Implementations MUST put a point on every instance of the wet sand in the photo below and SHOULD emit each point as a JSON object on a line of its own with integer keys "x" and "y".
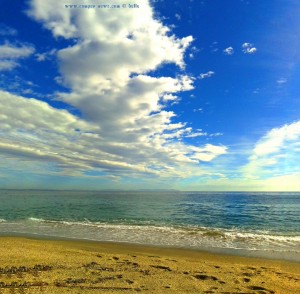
{"x": 58, "y": 266}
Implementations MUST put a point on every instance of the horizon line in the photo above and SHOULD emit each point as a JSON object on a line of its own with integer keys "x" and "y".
{"x": 147, "y": 190}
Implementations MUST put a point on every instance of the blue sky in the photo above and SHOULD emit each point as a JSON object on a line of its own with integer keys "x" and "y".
{"x": 191, "y": 95}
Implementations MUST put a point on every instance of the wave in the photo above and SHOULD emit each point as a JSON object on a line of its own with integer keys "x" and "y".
{"x": 251, "y": 242}
{"x": 194, "y": 237}
{"x": 33, "y": 219}
{"x": 196, "y": 231}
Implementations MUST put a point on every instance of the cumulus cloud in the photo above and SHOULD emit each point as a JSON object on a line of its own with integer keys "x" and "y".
{"x": 209, "y": 74}
{"x": 124, "y": 125}
{"x": 248, "y": 48}
{"x": 11, "y": 54}
{"x": 228, "y": 51}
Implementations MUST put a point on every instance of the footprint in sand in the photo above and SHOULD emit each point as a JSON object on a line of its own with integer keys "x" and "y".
{"x": 205, "y": 277}
{"x": 171, "y": 260}
{"x": 162, "y": 267}
{"x": 211, "y": 290}
{"x": 259, "y": 288}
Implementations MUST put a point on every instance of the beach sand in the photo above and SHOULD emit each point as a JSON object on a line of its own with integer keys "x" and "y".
{"x": 60, "y": 266}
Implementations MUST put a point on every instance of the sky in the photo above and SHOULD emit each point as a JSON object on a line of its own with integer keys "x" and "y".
{"x": 188, "y": 95}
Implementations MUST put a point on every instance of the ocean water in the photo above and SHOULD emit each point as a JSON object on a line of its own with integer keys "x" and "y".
{"x": 251, "y": 224}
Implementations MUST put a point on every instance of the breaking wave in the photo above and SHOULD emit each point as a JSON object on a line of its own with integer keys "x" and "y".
{"x": 194, "y": 237}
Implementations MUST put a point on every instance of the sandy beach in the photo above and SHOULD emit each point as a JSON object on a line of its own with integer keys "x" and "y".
{"x": 61, "y": 266}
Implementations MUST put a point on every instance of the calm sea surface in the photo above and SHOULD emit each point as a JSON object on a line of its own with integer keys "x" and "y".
{"x": 258, "y": 224}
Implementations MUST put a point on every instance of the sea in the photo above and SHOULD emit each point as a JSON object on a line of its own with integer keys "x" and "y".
{"x": 257, "y": 224}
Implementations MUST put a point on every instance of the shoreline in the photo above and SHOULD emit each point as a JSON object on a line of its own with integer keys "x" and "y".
{"x": 56, "y": 266}
{"x": 289, "y": 256}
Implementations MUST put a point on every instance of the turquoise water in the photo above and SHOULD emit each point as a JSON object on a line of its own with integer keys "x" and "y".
{"x": 261, "y": 224}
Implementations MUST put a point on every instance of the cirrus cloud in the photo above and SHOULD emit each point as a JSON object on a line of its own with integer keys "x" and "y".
{"x": 276, "y": 153}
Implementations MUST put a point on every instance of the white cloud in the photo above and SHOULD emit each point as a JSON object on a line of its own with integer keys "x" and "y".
{"x": 228, "y": 51}
{"x": 46, "y": 55}
{"x": 9, "y": 51}
{"x": 214, "y": 47}
{"x": 33, "y": 131}
{"x": 289, "y": 182}
{"x": 194, "y": 49}
{"x": 124, "y": 128}
{"x": 7, "y": 65}
{"x": 276, "y": 139}
{"x": 170, "y": 97}
{"x": 10, "y": 54}
{"x": 251, "y": 50}
{"x": 281, "y": 81}
{"x": 216, "y": 134}
{"x": 7, "y": 31}
{"x": 197, "y": 109}
{"x": 107, "y": 55}
{"x": 209, "y": 74}
{"x": 248, "y": 48}
{"x": 16, "y": 84}
{"x": 276, "y": 152}
{"x": 208, "y": 153}
{"x": 178, "y": 16}
{"x": 196, "y": 134}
